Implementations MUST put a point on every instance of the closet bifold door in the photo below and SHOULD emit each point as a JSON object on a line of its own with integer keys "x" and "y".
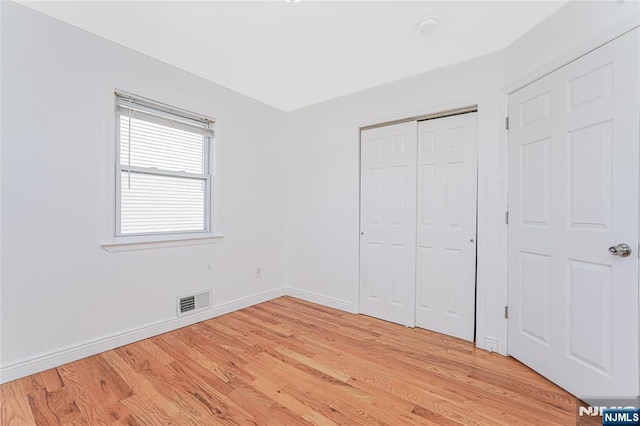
{"x": 388, "y": 222}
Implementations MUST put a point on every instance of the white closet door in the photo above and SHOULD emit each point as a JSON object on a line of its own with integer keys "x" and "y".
{"x": 446, "y": 229}
{"x": 388, "y": 223}
{"x": 573, "y": 193}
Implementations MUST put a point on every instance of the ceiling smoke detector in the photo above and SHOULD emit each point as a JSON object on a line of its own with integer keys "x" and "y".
{"x": 428, "y": 24}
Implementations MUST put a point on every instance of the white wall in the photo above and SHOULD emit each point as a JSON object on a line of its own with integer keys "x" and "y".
{"x": 323, "y": 179}
{"x": 60, "y": 288}
{"x": 572, "y": 31}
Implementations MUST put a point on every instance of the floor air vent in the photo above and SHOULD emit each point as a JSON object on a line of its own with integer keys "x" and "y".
{"x": 193, "y": 303}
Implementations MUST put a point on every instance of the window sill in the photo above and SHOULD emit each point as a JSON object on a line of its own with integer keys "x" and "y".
{"x": 120, "y": 244}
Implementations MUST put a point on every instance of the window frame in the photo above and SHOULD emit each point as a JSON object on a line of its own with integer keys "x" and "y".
{"x": 122, "y": 242}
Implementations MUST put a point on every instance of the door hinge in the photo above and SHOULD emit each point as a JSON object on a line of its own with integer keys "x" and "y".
{"x": 506, "y": 123}
{"x": 506, "y": 312}
{"x": 506, "y": 217}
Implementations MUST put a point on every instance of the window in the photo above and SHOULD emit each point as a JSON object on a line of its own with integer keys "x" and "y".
{"x": 163, "y": 169}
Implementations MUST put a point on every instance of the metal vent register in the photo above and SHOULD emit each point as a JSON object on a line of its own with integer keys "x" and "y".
{"x": 194, "y": 302}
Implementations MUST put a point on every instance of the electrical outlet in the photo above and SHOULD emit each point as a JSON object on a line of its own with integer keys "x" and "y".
{"x": 259, "y": 272}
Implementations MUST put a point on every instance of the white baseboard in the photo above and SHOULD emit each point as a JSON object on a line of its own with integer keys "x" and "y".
{"x": 330, "y": 302}
{"x": 50, "y": 359}
{"x": 55, "y": 358}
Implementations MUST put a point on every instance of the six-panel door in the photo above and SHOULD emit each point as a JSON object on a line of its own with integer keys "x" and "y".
{"x": 573, "y": 193}
{"x": 446, "y": 225}
{"x": 388, "y": 223}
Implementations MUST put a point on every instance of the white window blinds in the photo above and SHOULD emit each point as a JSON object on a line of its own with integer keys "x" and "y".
{"x": 163, "y": 169}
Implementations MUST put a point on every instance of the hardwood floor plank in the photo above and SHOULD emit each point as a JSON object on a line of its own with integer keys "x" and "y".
{"x": 130, "y": 420}
{"x": 149, "y": 412}
{"x": 33, "y": 383}
{"x": 52, "y": 379}
{"x": 43, "y": 413}
{"x": 299, "y": 407}
{"x": 120, "y": 414}
{"x": 63, "y": 405}
{"x": 264, "y": 410}
{"x": 224, "y": 409}
{"x": 290, "y": 362}
{"x": 323, "y": 394}
{"x": 316, "y": 392}
{"x": 157, "y": 352}
{"x": 229, "y": 359}
{"x": 309, "y": 362}
{"x": 171, "y": 386}
{"x": 160, "y": 408}
{"x": 86, "y": 393}
{"x": 14, "y": 405}
{"x": 193, "y": 364}
{"x": 189, "y": 352}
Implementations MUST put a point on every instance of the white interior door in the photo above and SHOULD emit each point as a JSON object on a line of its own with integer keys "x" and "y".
{"x": 573, "y": 193}
{"x": 446, "y": 229}
{"x": 388, "y": 222}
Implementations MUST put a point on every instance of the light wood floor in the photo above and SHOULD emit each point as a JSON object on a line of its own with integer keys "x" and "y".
{"x": 289, "y": 362}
